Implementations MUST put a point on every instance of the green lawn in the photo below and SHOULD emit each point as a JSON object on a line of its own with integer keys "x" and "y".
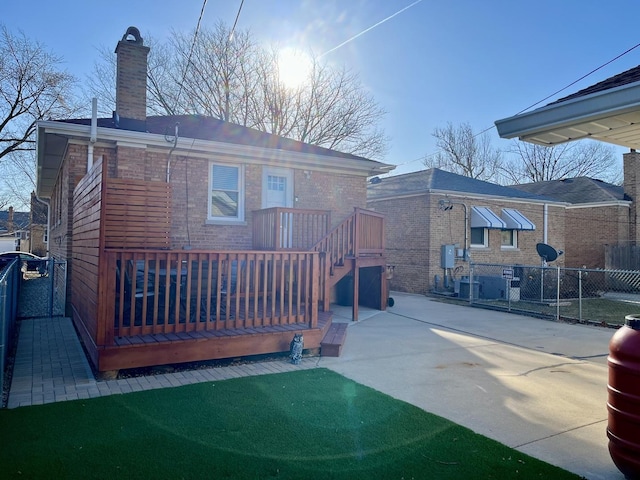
{"x": 311, "y": 424}
{"x": 602, "y": 311}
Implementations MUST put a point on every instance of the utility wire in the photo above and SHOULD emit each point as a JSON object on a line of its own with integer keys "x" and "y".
{"x": 581, "y": 78}
{"x": 193, "y": 44}
{"x": 233, "y": 29}
{"x": 424, "y": 157}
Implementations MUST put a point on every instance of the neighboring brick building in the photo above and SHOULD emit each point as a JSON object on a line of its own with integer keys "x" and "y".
{"x": 13, "y": 229}
{"x": 431, "y": 208}
{"x": 597, "y": 215}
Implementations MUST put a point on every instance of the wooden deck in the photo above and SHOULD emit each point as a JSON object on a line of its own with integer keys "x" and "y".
{"x": 155, "y": 305}
{"x": 160, "y": 349}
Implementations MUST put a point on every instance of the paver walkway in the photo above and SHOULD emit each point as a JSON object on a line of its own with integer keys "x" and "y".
{"x": 51, "y": 366}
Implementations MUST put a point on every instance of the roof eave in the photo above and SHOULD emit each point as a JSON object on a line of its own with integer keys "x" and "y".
{"x": 541, "y": 125}
{"x": 48, "y": 129}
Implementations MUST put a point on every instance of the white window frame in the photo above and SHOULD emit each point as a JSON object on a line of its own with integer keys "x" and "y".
{"x": 485, "y": 238}
{"x": 514, "y": 239}
{"x": 241, "y": 193}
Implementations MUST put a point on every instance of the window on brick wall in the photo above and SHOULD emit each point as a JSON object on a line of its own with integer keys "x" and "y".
{"x": 479, "y": 237}
{"x": 509, "y": 239}
{"x": 226, "y": 192}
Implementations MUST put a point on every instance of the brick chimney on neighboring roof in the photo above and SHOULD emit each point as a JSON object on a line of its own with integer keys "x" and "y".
{"x": 131, "y": 82}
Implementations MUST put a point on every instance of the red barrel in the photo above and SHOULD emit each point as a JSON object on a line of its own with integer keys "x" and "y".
{"x": 623, "y": 402}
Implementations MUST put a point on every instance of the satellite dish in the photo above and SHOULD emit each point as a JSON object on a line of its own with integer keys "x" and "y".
{"x": 547, "y": 252}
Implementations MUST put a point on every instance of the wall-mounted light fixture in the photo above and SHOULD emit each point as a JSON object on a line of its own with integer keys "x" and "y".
{"x": 307, "y": 173}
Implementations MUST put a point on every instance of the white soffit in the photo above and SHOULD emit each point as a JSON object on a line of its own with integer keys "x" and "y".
{"x": 483, "y": 217}
{"x": 516, "y": 220}
{"x": 611, "y": 116}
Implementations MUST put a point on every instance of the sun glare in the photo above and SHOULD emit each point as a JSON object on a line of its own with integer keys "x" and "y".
{"x": 294, "y": 67}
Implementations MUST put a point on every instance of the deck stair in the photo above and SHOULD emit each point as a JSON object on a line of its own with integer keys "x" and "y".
{"x": 334, "y": 339}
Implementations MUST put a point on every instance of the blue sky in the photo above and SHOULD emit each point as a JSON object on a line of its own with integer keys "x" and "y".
{"x": 458, "y": 61}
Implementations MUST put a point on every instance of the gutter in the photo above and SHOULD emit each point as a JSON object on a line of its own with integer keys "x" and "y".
{"x": 603, "y": 104}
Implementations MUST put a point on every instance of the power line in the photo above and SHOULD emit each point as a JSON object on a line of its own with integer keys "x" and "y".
{"x": 236, "y": 21}
{"x": 581, "y": 78}
{"x": 538, "y": 102}
{"x": 193, "y": 44}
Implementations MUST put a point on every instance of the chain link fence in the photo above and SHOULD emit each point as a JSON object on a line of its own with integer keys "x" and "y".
{"x": 9, "y": 294}
{"x": 594, "y": 296}
{"x": 45, "y": 295}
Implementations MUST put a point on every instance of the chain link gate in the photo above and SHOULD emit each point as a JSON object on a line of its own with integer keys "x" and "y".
{"x": 44, "y": 296}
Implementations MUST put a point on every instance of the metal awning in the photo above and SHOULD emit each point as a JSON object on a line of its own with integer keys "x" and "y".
{"x": 483, "y": 217}
{"x": 516, "y": 220}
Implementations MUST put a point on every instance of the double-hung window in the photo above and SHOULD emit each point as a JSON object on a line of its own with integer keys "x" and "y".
{"x": 226, "y": 192}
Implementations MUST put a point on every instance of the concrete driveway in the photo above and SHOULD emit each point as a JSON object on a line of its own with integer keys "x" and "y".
{"x": 535, "y": 385}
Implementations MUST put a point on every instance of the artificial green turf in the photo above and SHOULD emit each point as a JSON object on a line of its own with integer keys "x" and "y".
{"x": 311, "y": 424}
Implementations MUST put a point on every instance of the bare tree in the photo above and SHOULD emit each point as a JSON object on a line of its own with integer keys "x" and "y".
{"x": 236, "y": 80}
{"x": 32, "y": 87}
{"x": 537, "y": 163}
{"x": 465, "y": 153}
{"x": 18, "y": 178}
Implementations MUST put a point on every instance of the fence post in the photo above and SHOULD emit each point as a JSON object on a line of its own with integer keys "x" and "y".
{"x": 557, "y": 294}
{"x": 470, "y": 283}
{"x": 580, "y": 295}
{"x": 52, "y": 279}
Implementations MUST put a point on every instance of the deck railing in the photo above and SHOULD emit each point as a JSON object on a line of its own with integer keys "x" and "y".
{"x": 362, "y": 233}
{"x": 177, "y": 292}
{"x": 289, "y": 228}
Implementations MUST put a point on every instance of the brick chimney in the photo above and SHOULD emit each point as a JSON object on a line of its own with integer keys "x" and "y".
{"x": 131, "y": 81}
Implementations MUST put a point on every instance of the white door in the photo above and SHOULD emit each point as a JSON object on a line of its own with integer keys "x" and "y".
{"x": 277, "y": 191}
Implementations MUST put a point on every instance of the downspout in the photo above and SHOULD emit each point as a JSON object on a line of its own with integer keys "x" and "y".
{"x": 94, "y": 132}
{"x": 466, "y": 254}
{"x": 545, "y": 218}
{"x": 48, "y": 204}
{"x": 175, "y": 143}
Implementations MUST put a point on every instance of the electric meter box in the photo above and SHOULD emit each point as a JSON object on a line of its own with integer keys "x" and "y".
{"x": 447, "y": 256}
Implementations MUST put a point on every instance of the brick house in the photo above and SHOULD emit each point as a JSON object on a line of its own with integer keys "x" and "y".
{"x": 432, "y": 210}
{"x": 202, "y": 239}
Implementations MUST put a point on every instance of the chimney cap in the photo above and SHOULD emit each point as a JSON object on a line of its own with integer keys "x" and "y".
{"x": 133, "y": 31}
